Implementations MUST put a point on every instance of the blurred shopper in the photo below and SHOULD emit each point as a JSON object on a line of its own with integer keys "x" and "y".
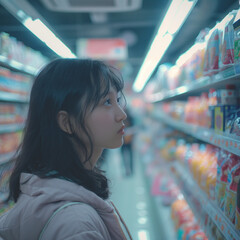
{"x": 127, "y": 147}
{"x": 74, "y": 113}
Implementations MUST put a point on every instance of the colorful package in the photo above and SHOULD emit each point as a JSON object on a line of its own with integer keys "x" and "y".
{"x": 237, "y": 216}
{"x": 227, "y": 41}
{"x": 236, "y": 26}
{"x": 231, "y": 193}
{"x": 221, "y": 114}
{"x": 222, "y": 176}
{"x": 233, "y": 123}
{"x": 211, "y": 57}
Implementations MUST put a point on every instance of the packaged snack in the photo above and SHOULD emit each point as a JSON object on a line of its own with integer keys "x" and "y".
{"x": 231, "y": 193}
{"x": 211, "y": 57}
{"x": 227, "y": 41}
{"x": 236, "y": 26}
{"x": 237, "y": 217}
{"x": 233, "y": 123}
{"x": 221, "y": 114}
{"x": 227, "y": 96}
{"x": 222, "y": 175}
{"x": 212, "y": 97}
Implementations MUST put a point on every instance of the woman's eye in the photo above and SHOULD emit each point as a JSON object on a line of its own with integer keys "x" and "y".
{"x": 119, "y": 100}
{"x": 107, "y": 102}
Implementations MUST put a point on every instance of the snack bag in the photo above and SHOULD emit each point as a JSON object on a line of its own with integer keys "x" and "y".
{"x": 211, "y": 58}
{"x": 236, "y": 26}
{"x": 237, "y": 217}
{"x": 221, "y": 183}
{"x": 233, "y": 123}
{"x": 231, "y": 193}
{"x": 227, "y": 41}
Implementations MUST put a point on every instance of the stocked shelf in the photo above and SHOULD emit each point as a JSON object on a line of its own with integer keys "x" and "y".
{"x": 6, "y": 128}
{"x": 224, "y": 141}
{"x": 199, "y": 202}
{"x": 4, "y": 158}
{"x": 219, "y": 80}
{"x": 12, "y": 97}
{"x": 14, "y": 65}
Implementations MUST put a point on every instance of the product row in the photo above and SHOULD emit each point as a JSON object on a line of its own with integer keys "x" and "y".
{"x": 17, "y": 83}
{"x": 9, "y": 142}
{"x": 217, "y": 172}
{"x": 12, "y": 113}
{"x": 217, "y": 109}
{"x": 13, "y": 49}
{"x": 215, "y": 50}
{"x": 212, "y": 172}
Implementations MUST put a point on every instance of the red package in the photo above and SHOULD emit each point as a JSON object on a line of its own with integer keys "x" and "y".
{"x": 231, "y": 193}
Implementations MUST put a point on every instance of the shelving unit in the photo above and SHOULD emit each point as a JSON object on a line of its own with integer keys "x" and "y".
{"x": 202, "y": 207}
{"x": 228, "y": 76}
{"x": 199, "y": 199}
{"x": 228, "y": 142}
{"x": 16, "y": 66}
{"x": 6, "y": 128}
{"x": 12, "y": 97}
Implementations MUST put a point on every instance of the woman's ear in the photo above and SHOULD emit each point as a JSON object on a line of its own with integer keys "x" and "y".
{"x": 64, "y": 122}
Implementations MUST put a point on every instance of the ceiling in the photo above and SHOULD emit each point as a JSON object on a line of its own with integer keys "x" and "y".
{"x": 137, "y": 28}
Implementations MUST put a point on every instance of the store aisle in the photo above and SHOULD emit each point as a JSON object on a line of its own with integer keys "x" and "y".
{"x": 130, "y": 195}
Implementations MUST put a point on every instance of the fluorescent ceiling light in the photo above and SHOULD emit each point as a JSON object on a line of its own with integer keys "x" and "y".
{"x": 177, "y": 13}
{"x": 155, "y": 53}
{"x": 38, "y": 28}
{"x": 143, "y": 235}
{"x": 180, "y": 16}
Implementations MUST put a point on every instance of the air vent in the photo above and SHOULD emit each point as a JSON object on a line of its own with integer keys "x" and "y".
{"x": 92, "y": 5}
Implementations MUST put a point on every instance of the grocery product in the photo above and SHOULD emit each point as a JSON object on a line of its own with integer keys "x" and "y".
{"x": 222, "y": 177}
{"x": 211, "y": 57}
{"x": 227, "y": 41}
{"x": 236, "y": 26}
{"x": 12, "y": 113}
{"x": 233, "y": 123}
{"x": 9, "y": 142}
{"x": 231, "y": 193}
{"x": 237, "y": 215}
{"x": 15, "y": 50}
{"x": 221, "y": 116}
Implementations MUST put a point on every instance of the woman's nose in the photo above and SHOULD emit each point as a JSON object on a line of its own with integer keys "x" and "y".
{"x": 121, "y": 115}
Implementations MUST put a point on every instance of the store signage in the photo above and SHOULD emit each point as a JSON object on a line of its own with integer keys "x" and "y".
{"x": 106, "y": 49}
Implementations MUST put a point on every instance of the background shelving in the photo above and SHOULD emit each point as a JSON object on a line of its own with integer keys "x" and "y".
{"x": 200, "y": 202}
{"x": 16, "y": 66}
{"x": 220, "y": 80}
{"x": 222, "y": 140}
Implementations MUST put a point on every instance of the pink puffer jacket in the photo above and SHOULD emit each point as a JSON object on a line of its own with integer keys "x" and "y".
{"x": 92, "y": 219}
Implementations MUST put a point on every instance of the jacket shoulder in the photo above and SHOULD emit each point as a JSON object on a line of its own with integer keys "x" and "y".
{"x": 76, "y": 220}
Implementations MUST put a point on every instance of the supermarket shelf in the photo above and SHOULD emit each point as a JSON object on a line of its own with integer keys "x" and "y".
{"x": 6, "y": 128}
{"x": 228, "y": 142}
{"x": 219, "y": 80}
{"x": 14, "y": 65}
{"x": 4, "y": 158}
{"x": 207, "y": 205}
{"x": 12, "y": 97}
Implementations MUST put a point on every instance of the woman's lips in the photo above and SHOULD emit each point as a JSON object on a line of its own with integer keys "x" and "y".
{"x": 121, "y": 131}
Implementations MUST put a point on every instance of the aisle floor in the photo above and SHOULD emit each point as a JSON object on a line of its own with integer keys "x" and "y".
{"x": 131, "y": 197}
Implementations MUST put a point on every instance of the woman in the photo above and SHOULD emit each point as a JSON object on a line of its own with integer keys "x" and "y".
{"x": 74, "y": 113}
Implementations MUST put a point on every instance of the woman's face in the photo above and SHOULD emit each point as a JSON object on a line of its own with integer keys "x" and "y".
{"x": 105, "y": 122}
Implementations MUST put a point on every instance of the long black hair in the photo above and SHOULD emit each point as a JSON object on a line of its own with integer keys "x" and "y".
{"x": 74, "y": 86}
